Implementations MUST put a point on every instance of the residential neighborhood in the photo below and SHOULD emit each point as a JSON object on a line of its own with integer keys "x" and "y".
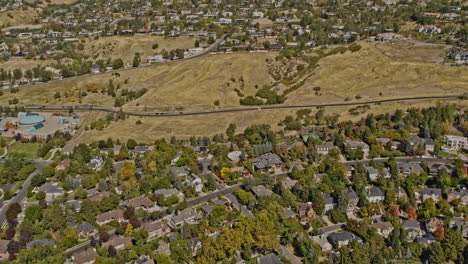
{"x": 150, "y": 202}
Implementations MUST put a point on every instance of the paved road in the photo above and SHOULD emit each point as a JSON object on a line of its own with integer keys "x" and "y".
{"x": 207, "y": 51}
{"x": 332, "y": 228}
{"x": 207, "y": 112}
{"x": 21, "y": 195}
{"x": 215, "y": 194}
{"x": 289, "y": 255}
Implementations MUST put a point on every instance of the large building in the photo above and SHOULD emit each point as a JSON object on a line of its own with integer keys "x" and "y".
{"x": 41, "y": 125}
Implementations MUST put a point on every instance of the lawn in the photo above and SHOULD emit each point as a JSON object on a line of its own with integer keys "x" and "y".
{"x": 29, "y": 149}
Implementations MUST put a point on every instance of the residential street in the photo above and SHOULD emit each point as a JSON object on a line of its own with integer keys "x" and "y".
{"x": 21, "y": 195}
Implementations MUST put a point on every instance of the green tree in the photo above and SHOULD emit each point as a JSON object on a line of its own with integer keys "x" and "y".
{"x": 34, "y": 213}
{"x": 136, "y": 60}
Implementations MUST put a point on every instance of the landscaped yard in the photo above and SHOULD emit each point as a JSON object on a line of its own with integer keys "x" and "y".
{"x": 29, "y": 149}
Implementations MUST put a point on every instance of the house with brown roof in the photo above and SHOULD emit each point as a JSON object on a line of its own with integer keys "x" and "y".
{"x": 62, "y": 165}
{"x": 88, "y": 256}
{"x": 431, "y": 224}
{"x": 118, "y": 242}
{"x": 261, "y": 191}
{"x": 305, "y": 210}
{"x": 156, "y": 229}
{"x": 383, "y": 228}
{"x": 143, "y": 203}
{"x": 288, "y": 183}
{"x": 114, "y": 215}
{"x": 99, "y": 196}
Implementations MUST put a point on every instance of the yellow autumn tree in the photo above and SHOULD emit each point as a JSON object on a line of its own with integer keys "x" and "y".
{"x": 152, "y": 166}
{"x": 128, "y": 171}
{"x": 129, "y": 229}
{"x": 224, "y": 171}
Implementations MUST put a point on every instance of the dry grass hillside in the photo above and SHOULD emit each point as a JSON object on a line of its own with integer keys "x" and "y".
{"x": 382, "y": 71}
{"x": 192, "y": 84}
{"x": 125, "y": 47}
{"x": 376, "y": 71}
{"x": 152, "y": 128}
{"x": 18, "y": 17}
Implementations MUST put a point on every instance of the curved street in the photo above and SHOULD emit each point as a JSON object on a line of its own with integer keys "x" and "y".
{"x": 207, "y": 112}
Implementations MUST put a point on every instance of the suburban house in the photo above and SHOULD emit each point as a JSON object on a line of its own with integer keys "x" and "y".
{"x": 400, "y": 193}
{"x": 322, "y": 241}
{"x": 143, "y": 203}
{"x": 353, "y": 200}
{"x": 169, "y": 192}
{"x": 456, "y": 142}
{"x": 87, "y": 256}
{"x": 114, "y": 215}
{"x": 261, "y": 191}
{"x": 426, "y": 193}
{"x": 339, "y": 239}
{"x": 62, "y": 165}
{"x": 180, "y": 171}
{"x": 460, "y": 57}
{"x": 234, "y": 156}
{"x": 428, "y": 143}
{"x": 68, "y": 149}
{"x": 195, "y": 182}
{"x": 458, "y": 194}
{"x": 413, "y": 228}
{"x": 140, "y": 150}
{"x": 305, "y": 210}
{"x": 383, "y": 228}
{"x": 460, "y": 224}
{"x": 267, "y": 162}
{"x": 324, "y": 148}
{"x": 85, "y": 229}
{"x": 427, "y": 238}
{"x": 431, "y": 224}
{"x": 288, "y": 183}
{"x": 155, "y": 59}
{"x": 352, "y": 144}
{"x": 373, "y": 173}
{"x": 99, "y": 196}
{"x": 269, "y": 259}
{"x": 156, "y": 229}
{"x": 330, "y": 202}
{"x": 407, "y": 168}
{"x": 186, "y": 216}
{"x": 95, "y": 163}
{"x": 375, "y": 195}
{"x": 52, "y": 191}
{"x": 118, "y": 242}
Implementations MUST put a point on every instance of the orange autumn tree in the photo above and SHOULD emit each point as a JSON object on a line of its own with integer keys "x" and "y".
{"x": 439, "y": 233}
{"x": 395, "y": 211}
{"x": 412, "y": 215}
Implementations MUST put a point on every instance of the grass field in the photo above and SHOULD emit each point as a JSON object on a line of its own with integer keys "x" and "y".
{"x": 193, "y": 84}
{"x": 29, "y": 149}
{"x": 380, "y": 71}
{"x": 18, "y": 17}
{"x": 202, "y": 125}
{"x": 125, "y": 47}
{"x": 22, "y": 63}
{"x": 377, "y": 71}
